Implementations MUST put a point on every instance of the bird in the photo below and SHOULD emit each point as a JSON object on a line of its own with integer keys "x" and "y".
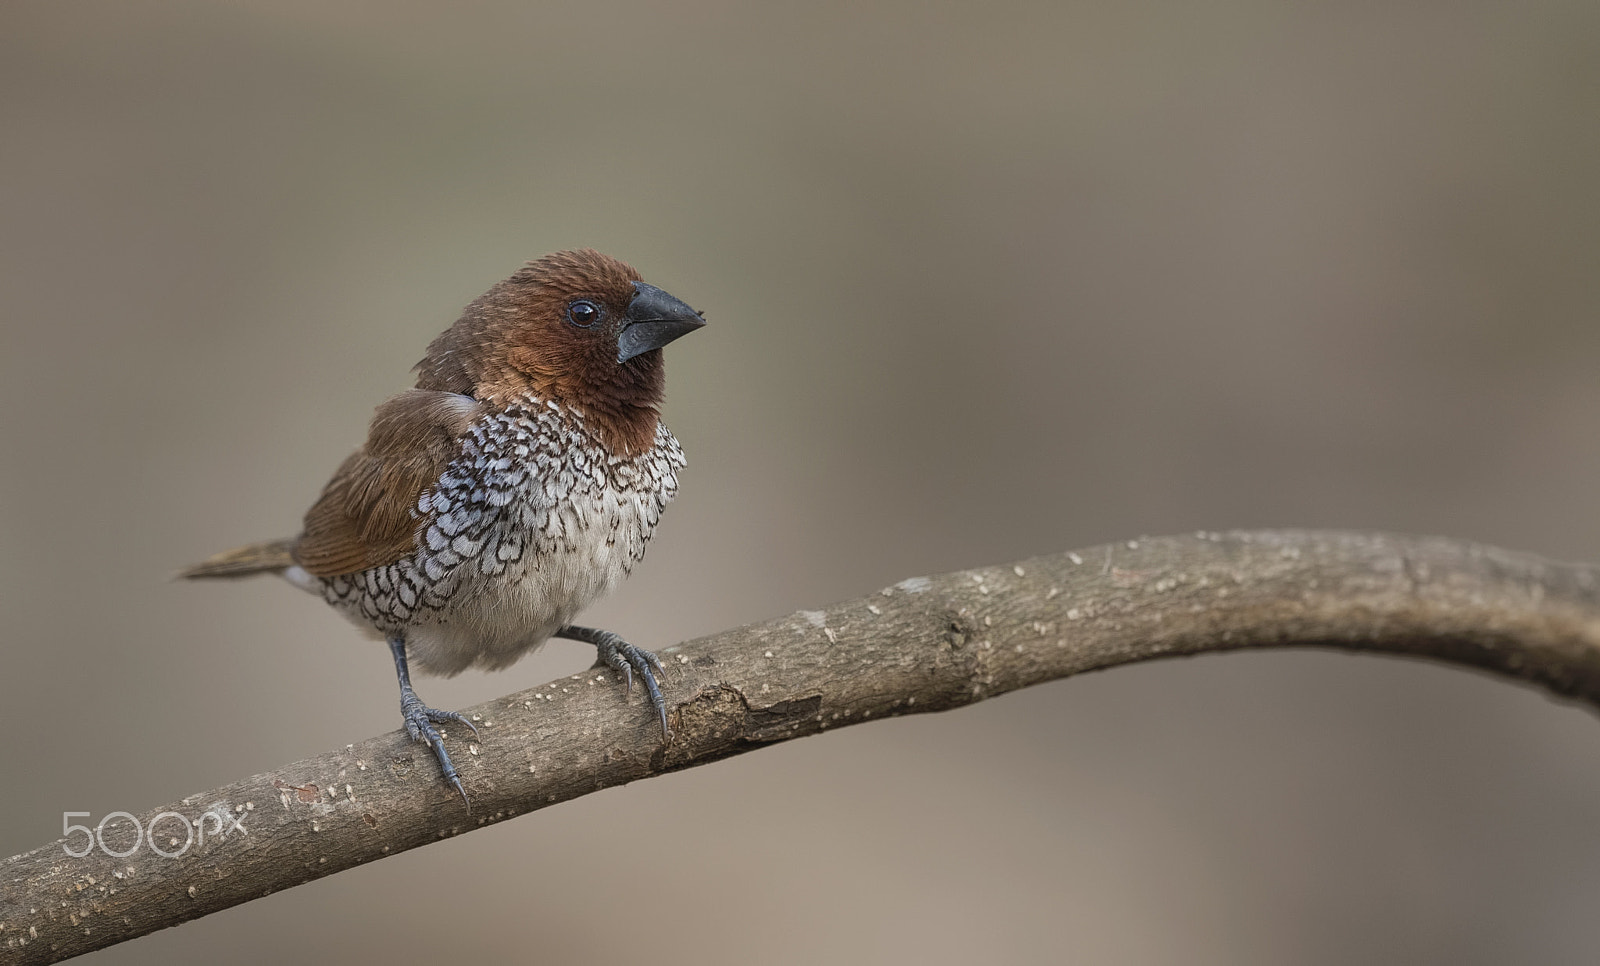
{"x": 518, "y": 481}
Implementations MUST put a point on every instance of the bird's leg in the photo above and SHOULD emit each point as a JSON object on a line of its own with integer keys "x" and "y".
{"x": 420, "y": 718}
{"x": 619, "y": 655}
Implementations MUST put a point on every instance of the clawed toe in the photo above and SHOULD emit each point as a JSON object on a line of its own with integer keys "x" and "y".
{"x": 629, "y": 660}
{"x": 614, "y": 652}
{"x": 443, "y": 717}
{"x": 420, "y": 720}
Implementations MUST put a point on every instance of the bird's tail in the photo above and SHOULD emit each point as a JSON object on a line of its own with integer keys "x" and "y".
{"x": 268, "y": 557}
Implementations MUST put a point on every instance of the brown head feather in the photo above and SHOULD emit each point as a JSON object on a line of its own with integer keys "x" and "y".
{"x": 517, "y": 339}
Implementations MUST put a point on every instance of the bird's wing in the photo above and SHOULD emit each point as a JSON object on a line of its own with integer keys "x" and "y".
{"x": 367, "y": 514}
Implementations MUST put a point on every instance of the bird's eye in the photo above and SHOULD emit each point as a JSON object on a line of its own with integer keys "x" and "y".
{"x": 583, "y": 313}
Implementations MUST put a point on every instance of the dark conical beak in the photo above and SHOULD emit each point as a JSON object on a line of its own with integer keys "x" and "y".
{"x": 654, "y": 319}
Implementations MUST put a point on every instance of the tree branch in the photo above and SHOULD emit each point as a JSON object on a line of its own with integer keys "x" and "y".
{"x": 926, "y": 644}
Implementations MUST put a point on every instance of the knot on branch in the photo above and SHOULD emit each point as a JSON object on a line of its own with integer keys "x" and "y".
{"x": 720, "y": 721}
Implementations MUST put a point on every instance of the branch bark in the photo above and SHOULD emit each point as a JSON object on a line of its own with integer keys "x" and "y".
{"x": 925, "y": 644}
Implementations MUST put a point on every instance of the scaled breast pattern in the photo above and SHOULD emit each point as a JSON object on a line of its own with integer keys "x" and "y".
{"x": 530, "y": 523}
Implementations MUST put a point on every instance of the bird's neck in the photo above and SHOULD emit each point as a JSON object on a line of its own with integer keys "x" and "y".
{"x": 623, "y": 419}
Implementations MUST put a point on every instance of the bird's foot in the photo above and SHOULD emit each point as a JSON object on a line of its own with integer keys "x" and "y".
{"x": 614, "y": 652}
{"x": 420, "y": 720}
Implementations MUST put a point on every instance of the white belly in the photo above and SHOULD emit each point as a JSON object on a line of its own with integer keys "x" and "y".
{"x": 491, "y": 621}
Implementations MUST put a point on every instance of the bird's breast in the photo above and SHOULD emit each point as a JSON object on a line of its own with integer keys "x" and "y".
{"x": 530, "y": 524}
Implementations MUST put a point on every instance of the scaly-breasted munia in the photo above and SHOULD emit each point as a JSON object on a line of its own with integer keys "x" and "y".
{"x": 519, "y": 481}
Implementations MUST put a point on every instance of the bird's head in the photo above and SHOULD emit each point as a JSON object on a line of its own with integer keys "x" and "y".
{"x": 579, "y": 328}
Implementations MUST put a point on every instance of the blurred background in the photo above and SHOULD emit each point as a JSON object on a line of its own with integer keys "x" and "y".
{"x": 984, "y": 281}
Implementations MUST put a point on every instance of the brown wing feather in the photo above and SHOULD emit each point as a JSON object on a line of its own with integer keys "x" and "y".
{"x": 366, "y": 514}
